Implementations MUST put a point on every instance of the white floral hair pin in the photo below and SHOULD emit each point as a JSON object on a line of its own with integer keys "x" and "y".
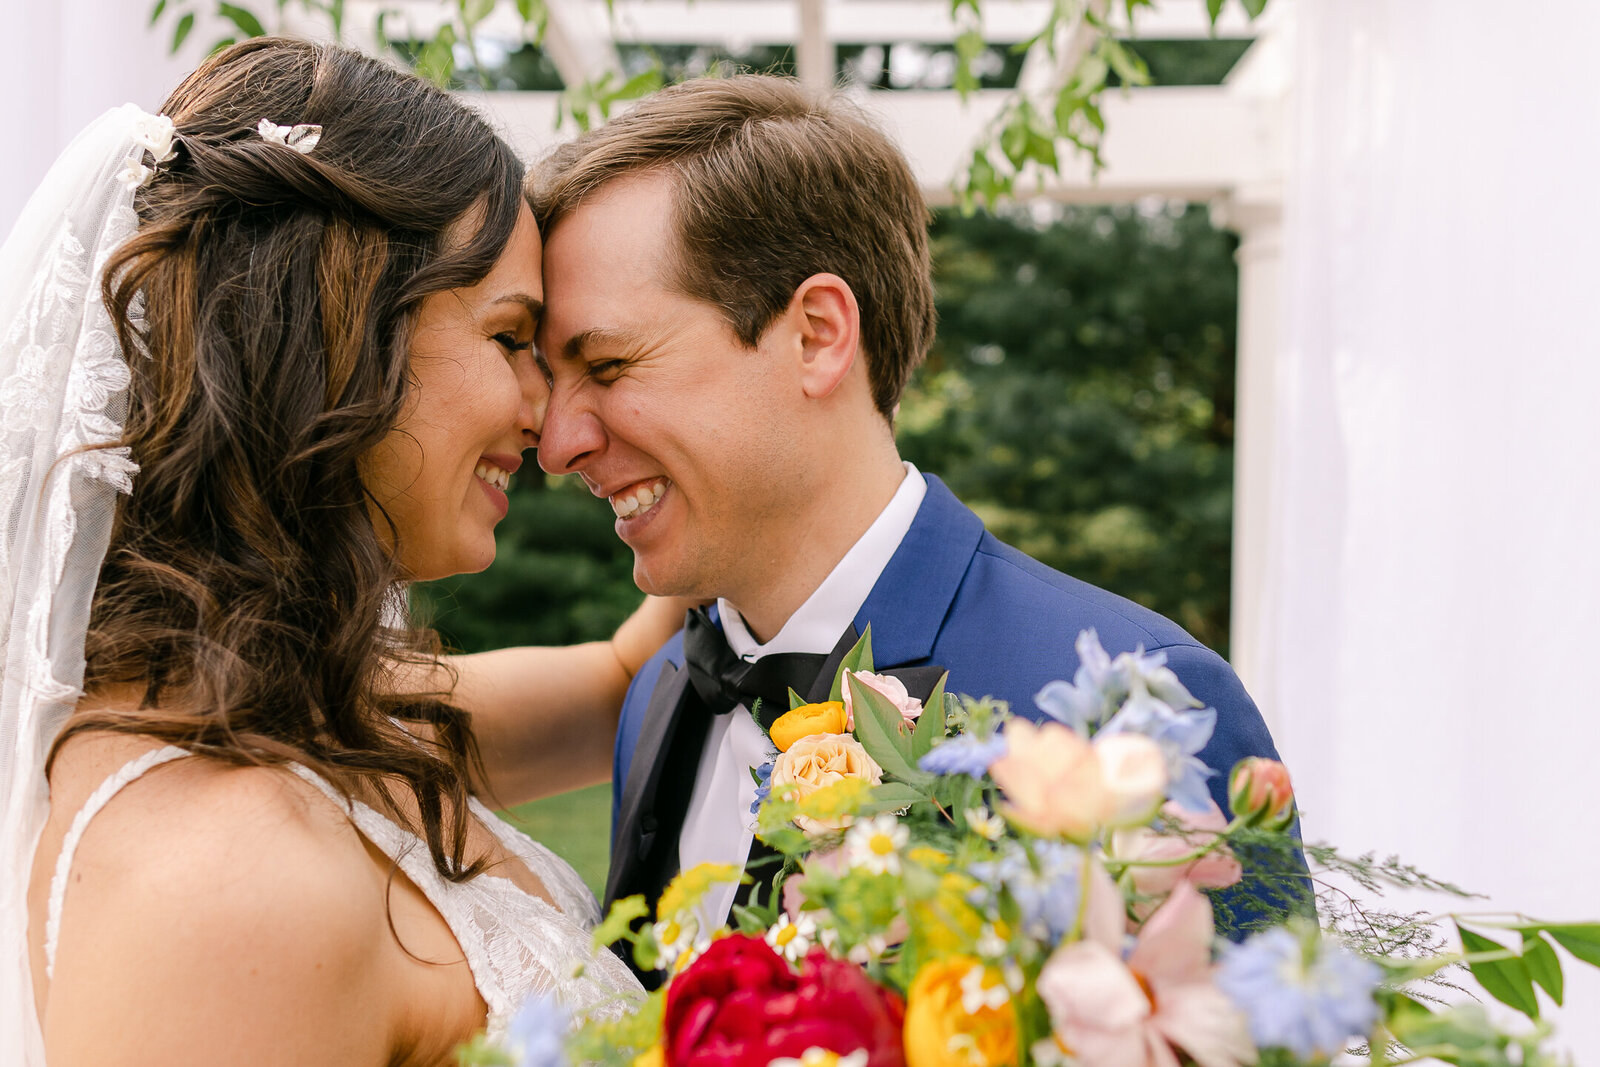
{"x": 302, "y": 138}
{"x": 153, "y": 134}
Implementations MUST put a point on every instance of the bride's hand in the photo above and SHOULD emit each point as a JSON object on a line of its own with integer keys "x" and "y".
{"x": 648, "y": 628}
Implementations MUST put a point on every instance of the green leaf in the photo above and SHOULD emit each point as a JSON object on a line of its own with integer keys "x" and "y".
{"x": 1014, "y": 140}
{"x": 181, "y": 33}
{"x": 881, "y": 730}
{"x": 248, "y": 24}
{"x": 1129, "y": 67}
{"x": 1254, "y": 8}
{"x": 1543, "y": 965}
{"x": 891, "y": 796}
{"x": 1508, "y": 981}
{"x": 1580, "y": 939}
{"x": 641, "y": 84}
{"x": 155, "y": 12}
{"x": 620, "y": 919}
{"x": 858, "y": 658}
{"x": 930, "y": 724}
{"x": 474, "y": 11}
{"x": 1214, "y": 10}
{"x": 525, "y": 10}
{"x": 437, "y": 60}
{"x": 226, "y": 42}
{"x": 1042, "y": 147}
{"x": 795, "y": 699}
{"x": 1090, "y": 77}
{"x": 748, "y": 920}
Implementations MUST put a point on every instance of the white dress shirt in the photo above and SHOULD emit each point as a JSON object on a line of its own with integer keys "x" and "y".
{"x": 719, "y": 826}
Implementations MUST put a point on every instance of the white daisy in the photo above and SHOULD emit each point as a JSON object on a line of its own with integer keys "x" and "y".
{"x": 821, "y": 1057}
{"x": 975, "y": 996}
{"x": 792, "y": 940}
{"x": 985, "y": 823}
{"x": 874, "y": 844}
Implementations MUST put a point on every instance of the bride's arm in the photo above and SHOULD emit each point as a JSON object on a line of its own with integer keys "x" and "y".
{"x": 546, "y": 718}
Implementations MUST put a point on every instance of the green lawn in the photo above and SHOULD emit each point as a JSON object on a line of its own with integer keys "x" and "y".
{"x": 575, "y": 826}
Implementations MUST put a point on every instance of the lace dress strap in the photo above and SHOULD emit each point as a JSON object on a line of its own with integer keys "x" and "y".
{"x": 80, "y": 822}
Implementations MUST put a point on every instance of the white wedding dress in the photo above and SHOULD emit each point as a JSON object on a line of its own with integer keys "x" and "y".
{"x": 516, "y": 944}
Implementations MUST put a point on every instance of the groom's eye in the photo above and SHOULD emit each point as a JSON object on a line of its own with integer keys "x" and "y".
{"x": 606, "y": 369}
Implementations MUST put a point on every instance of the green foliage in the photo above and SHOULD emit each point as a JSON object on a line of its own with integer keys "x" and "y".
{"x": 882, "y": 732}
{"x": 1025, "y": 135}
{"x": 859, "y": 658}
{"x": 1080, "y": 396}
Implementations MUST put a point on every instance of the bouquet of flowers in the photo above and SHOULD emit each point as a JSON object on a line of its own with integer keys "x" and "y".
{"x": 964, "y": 888}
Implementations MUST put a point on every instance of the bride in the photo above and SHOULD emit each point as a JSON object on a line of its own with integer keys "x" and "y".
{"x": 232, "y": 832}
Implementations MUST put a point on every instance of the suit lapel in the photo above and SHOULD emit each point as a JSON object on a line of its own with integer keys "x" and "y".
{"x": 637, "y": 826}
{"x": 912, "y": 597}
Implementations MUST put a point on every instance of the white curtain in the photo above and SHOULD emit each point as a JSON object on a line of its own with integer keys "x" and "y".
{"x": 70, "y": 60}
{"x": 1430, "y": 636}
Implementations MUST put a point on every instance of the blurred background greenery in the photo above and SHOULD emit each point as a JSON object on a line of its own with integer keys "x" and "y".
{"x": 1079, "y": 396}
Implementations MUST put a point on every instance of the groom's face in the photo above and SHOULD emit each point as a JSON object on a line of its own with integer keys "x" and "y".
{"x": 660, "y": 409}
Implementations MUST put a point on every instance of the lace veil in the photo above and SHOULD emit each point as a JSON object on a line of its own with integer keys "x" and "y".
{"x": 63, "y": 385}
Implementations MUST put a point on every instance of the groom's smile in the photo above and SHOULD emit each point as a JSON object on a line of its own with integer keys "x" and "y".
{"x": 637, "y": 500}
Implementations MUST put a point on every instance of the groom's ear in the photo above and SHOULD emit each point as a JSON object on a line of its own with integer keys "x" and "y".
{"x": 828, "y": 324}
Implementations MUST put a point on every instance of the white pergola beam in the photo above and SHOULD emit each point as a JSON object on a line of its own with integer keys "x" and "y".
{"x": 742, "y": 23}
{"x": 1179, "y": 143}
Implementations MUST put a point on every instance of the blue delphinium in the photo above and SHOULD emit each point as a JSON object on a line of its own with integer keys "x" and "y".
{"x": 1046, "y": 894}
{"x": 1101, "y": 685}
{"x": 964, "y": 754}
{"x": 1305, "y": 994}
{"x": 1181, "y": 735}
{"x": 763, "y": 776}
{"x": 537, "y": 1036}
{"x": 1095, "y": 691}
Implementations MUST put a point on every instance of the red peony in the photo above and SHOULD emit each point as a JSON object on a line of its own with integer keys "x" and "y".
{"x": 740, "y": 1005}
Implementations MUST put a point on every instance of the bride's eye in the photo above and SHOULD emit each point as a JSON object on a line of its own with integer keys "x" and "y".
{"x": 509, "y": 342}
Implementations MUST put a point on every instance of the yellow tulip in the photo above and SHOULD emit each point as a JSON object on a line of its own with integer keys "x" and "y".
{"x": 825, "y": 718}
{"x": 959, "y": 1014}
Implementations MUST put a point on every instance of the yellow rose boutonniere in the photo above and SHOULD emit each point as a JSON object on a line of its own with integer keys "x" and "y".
{"x": 807, "y": 720}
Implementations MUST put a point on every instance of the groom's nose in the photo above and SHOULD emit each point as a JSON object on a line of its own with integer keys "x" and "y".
{"x": 572, "y": 434}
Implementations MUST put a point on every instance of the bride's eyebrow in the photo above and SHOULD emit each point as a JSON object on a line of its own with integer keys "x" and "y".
{"x": 534, "y": 306}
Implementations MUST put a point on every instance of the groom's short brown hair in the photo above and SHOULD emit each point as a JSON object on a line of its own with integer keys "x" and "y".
{"x": 772, "y": 183}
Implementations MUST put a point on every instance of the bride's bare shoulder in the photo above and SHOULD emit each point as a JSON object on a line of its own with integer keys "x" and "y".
{"x": 238, "y": 897}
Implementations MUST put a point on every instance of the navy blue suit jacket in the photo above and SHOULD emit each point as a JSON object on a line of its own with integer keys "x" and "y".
{"x": 1001, "y": 623}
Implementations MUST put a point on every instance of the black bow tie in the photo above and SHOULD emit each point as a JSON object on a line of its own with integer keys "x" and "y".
{"x": 723, "y": 681}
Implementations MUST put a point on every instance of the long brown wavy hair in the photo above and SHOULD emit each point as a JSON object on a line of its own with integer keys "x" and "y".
{"x": 265, "y": 306}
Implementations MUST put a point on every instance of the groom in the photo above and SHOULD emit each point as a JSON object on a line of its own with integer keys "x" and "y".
{"x": 737, "y": 285}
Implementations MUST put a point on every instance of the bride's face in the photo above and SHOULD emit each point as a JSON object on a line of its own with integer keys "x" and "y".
{"x": 477, "y": 400}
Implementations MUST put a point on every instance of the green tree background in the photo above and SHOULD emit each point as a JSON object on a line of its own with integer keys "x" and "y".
{"x": 1079, "y": 396}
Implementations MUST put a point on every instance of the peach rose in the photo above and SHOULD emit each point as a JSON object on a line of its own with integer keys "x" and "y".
{"x": 815, "y": 762}
{"x": 1058, "y": 784}
{"x": 1260, "y": 793}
